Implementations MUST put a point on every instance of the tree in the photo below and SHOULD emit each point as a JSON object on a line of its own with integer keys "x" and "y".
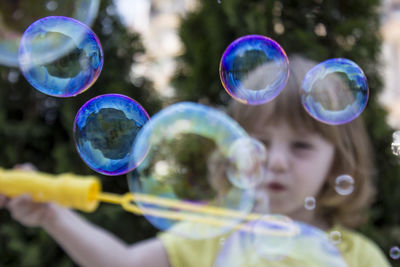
{"x": 38, "y": 128}
{"x": 317, "y": 29}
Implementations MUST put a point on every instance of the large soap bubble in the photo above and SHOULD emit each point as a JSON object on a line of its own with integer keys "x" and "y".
{"x": 184, "y": 175}
{"x": 60, "y": 56}
{"x": 335, "y": 91}
{"x": 254, "y": 69}
{"x": 105, "y": 130}
{"x": 16, "y": 16}
{"x": 275, "y": 240}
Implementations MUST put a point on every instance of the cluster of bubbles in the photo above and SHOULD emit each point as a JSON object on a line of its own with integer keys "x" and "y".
{"x": 254, "y": 69}
{"x": 62, "y": 57}
{"x": 192, "y": 163}
{"x": 344, "y": 186}
{"x": 189, "y": 152}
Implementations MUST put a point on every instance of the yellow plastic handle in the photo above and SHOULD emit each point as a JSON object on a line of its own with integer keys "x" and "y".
{"x": 69, "y": 190}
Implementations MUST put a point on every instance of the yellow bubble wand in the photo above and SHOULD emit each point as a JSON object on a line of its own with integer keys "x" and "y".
{"x": 84, "y": 193}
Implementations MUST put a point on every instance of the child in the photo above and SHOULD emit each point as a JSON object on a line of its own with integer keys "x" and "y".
{"x": 304, "y": 158}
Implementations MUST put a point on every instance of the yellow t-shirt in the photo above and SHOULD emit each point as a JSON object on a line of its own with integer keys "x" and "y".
{"x": 355, "y": 249}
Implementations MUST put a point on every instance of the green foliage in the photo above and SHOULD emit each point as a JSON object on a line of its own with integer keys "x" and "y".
{"x": 319, "y": 30}
{"x": 38, "y": 128}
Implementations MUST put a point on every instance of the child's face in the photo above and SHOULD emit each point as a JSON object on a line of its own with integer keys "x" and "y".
{"x": 297, "y": 167}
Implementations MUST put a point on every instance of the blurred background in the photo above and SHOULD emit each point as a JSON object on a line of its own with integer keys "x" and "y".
{"x": 160, "y": 52}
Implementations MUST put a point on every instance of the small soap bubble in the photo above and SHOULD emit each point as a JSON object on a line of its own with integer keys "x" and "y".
{"x": 335, "y": 237}
{"x": 395, "y": 253}
{"x": 344, "y": 185}
{"x": 310, "y": 203}
{"x": 51, "y": 5}
{"x": 254, "y": 69}
{"x": 335, "y": 91}
{"x": 13, "y": 76}
{"x": 247, "y": 158}
{"x": 60, "y": 56}
{"x": 105, "y": 130}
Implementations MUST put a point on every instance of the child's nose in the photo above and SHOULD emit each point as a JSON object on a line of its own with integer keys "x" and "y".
{"x": 278, "y": 160}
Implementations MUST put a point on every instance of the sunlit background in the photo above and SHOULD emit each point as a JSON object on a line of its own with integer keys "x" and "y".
{"x": 158, "y": 22}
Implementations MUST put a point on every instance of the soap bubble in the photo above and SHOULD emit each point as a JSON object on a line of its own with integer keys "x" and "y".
{"x": 273, "y": 236}
{"x": 344, "y": 185}
{"x": 60, "y": 56}
{"x": 395, "y": 253}
{"x": 310, "y": 203}
{"x": 247, "y": 157}
{"x": 183, "y": 176}
{"x": 105, "y": 130}
{"x": 15, "y": 18}
{"x": 335, "y": 91}
{"x": 335, "y": 237}
{"x": 276, "y": 240}
{"x": 254, "y": 69}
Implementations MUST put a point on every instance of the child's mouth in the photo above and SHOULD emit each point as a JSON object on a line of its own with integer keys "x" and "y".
{"x": 276, "y": 187}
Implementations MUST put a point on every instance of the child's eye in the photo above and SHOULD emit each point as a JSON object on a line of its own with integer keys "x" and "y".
{"x": 302, "y": 145}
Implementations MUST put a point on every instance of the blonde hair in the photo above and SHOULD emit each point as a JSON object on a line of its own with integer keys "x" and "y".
{"x": 353, "y": 150}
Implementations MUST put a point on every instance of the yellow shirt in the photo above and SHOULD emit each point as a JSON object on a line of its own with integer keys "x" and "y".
{"x": 355, "y": 249}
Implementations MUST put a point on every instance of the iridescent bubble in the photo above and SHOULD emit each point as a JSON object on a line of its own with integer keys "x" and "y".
{"x": 15, "y": 18}
{"x": 344, "y": 185}
{"x": 335, "y": 91}
{"x": 395, "y": 253}
{"x": 273, "y": 236}
{"x": 335, "y": 237}
{"x": 247, "y": 158}
{"x": 254, "y": 69}
{"x": 60, "y": 56}
{"x": 186, "y": 164}
{"x": 105, "y": 130}
{"x": 310, "y": 203}
{"x": 278, "y": 241}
